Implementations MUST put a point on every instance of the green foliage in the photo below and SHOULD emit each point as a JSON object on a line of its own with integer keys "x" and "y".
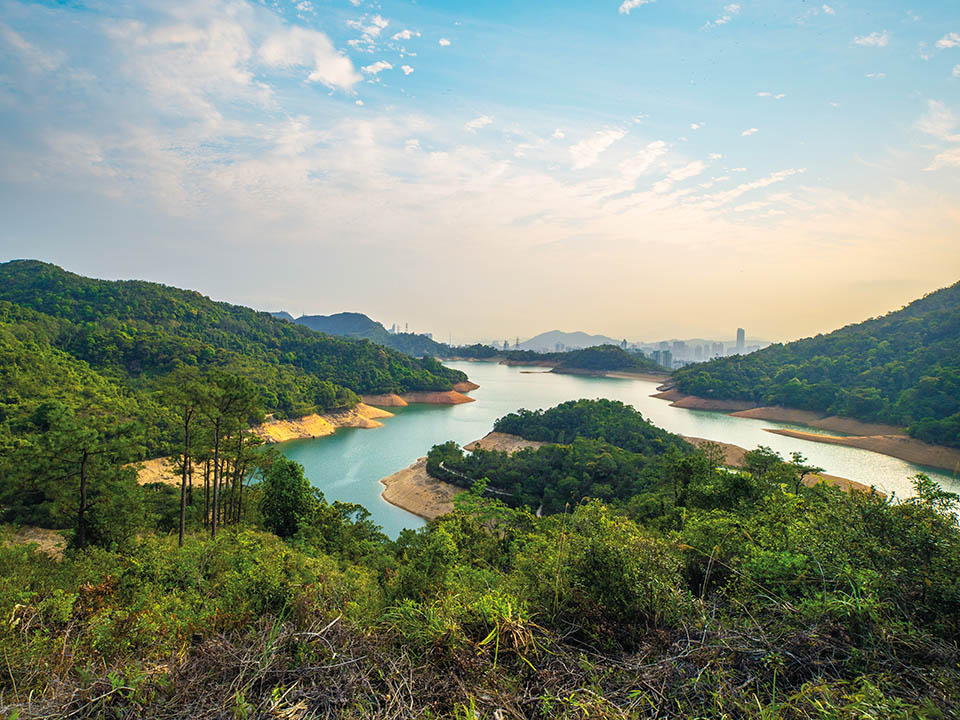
{"x": 287, "y": 500}
{"x": 902, "y": 368}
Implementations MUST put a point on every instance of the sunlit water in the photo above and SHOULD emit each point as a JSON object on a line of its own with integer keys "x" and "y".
{"x": 349, "y": 464}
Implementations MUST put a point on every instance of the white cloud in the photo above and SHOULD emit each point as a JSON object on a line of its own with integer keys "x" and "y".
{"x": 716, "y": 156}
{"x": 370, "y": 29}
{"x": 750, "y": 131}
{"x": 739, "y": 169}
{"x": 305, "y": 6}
{"x": 36, "y": 59}
{"x": 729, "y": 12}
{"x": 721, "y": 198}
{"x": 359, "y": 102}
{"x": 627, "y": 5}
{"x": 956, "y": 71}
{"x": 443, "y": 42}
{"x": 696, "y": 126}
{"x": 377, "y": 67}
{"x": 636, "y": 165}
{"x": 777, "y": 96}
{"x": 829, "y": 10}
{"x": 874, "y": 39}
{"x": 678, "y": 175}
{"x": 299, "y": 47}
{"x": 406, "y": 35}
{"x": 950, "y": 40}
{"x": 876, "y": 76}
{"x": 558, "y": 134}
{"x": 406, "y": 69}
{"x": 939, "y": 121}
{"x": 586, "y": 152}
{"x": 948, "y": 158}
{"x": 479, "y": 122}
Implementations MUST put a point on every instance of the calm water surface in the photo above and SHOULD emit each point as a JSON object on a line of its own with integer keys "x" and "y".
{"x": 348, "y": 465}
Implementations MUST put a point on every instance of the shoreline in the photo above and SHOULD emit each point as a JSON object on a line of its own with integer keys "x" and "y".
{"x": 734, "y": 457}
{"x": 414, "y": 490}
{"x": 899, "y": 446}
{"x": 873, "y": 437}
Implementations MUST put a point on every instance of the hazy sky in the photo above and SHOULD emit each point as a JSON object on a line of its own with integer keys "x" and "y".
{"x": 648, "y": 168}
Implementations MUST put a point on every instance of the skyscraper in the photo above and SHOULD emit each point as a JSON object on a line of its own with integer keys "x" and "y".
{"x": 741, "y": 340}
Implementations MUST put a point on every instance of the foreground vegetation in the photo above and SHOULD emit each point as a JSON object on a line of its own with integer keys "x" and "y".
{"x": 902, "y": 368}
{"x": 698, "y": 592}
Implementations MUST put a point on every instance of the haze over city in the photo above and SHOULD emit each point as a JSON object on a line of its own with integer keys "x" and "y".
{"x": 652, "y": 169}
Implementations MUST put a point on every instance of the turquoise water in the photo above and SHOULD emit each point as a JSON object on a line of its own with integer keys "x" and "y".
{"x": 348, "y": 465}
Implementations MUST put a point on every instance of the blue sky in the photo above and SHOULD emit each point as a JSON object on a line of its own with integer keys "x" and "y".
{"x": 492, "y": 169}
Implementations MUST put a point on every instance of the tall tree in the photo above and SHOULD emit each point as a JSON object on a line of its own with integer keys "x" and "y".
{"x": 183, "y": 390}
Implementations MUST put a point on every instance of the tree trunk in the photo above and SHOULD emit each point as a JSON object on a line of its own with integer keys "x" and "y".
{"x": 206, "y": 492}
{"x": 183, "y": 479}
{"x": 82, "y": 512}
{"x": 216, "y": 477}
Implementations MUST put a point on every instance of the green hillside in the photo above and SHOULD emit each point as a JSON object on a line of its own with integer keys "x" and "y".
{"x": 136, "y": 332}
{"x": 359, "y": 326}
{"x": 902, "y": 368}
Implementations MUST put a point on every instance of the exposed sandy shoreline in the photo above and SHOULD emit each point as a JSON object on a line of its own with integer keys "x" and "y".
{"x": 504, "y": 442}
{"x": 413, "y": 490}
{"x": 276, "y": 431}
{"x": 898, "y": 446}
{"x": 875, "y": 437}
{"x": 734, "y": 456}
{"x": 821, "y": 421}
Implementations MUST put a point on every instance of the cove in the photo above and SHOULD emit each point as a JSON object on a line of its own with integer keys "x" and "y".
{"x": 349, "y": 464}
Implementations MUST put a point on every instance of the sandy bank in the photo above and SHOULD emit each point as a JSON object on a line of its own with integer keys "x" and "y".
{"x": 734, "y": 456}
{"x": 437, "y": 397}
{"x": 413, "y": 490}
{"x": 465, "y": 386}
{"x": 504, "y": 442}
{"x": 385, "y": 400}
{"x": 692, "y": 402}
{"x": 314, "y": 426}
{"x": 833, "y": 423}
{"x": 161, "y": 470}
{"x": 898, "y": 446}
{"x": 49, "y": 542}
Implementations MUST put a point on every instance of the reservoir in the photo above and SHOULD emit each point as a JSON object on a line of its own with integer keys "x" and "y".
{"x": 349, "y": 464}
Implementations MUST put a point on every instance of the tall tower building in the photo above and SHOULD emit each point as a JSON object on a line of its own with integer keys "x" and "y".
{"x": 741, "y": 340}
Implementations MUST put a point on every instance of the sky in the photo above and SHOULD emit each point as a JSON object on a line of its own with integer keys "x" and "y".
{"x": 639, "y": 168}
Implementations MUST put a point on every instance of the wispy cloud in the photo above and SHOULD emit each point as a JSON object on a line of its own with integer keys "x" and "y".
{"x": 749, "y": 131}
{"x": 828, "y": 10}
{"x": 874, "y": 39}
{"x": 586, "y": 152}
{"x": 729, "y": 12}
{"x": 406, "y": 35}
{"x": 376, "y": 68}
{"x": 478, "y": 122}
{"x": 950, "y": 40}
{"x": 627, "y": 5}
{"x": 443, "y": 42}
{"x": 406, "y": 69}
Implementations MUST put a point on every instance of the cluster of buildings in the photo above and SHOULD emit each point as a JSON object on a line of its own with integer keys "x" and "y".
{"x": 677, "y": 353}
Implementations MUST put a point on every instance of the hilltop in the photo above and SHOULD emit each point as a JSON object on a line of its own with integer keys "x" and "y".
{"x": 548, "y": 341}
{"x": 359, "y": 326}
{"x": 902, "y": 368}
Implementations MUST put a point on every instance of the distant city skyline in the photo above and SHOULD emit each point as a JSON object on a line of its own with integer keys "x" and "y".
{"x": 643, "y": 169}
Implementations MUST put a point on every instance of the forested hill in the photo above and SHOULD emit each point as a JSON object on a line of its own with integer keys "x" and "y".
{"x": 359, "y": 326}
{"x": 902, "y": 368}
{"x": 135, "y": 333}
{"x": 601, "y": 358}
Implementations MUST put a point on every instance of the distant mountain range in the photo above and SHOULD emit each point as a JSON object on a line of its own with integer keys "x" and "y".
{"x": 548, "y": 341}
